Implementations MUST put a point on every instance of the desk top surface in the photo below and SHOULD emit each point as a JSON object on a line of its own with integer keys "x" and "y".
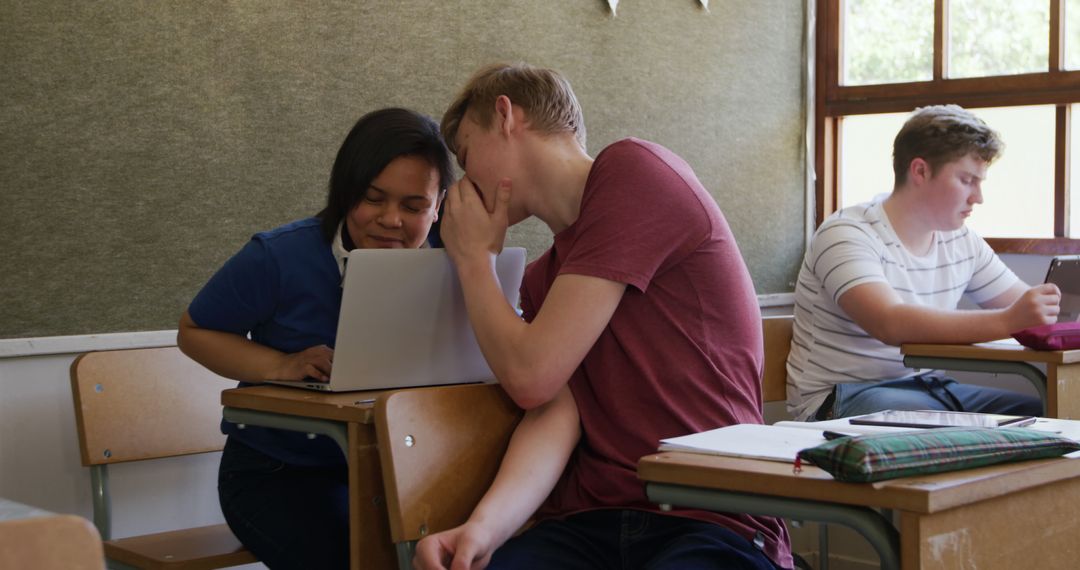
{"x": 992, "y": 351}
{"x": 341, "y": 406}
{"x": 357, "y": 407}
{"x": 923, "y": 494}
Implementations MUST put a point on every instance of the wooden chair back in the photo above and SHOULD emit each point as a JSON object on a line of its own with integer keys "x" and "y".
{"x": 144, "y": 404}
{"x": 440, "y": 449}
{"x": 777, "y": 332}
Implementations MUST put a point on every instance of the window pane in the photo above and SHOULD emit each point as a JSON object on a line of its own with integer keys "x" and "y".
{"x": 866, "y": 156}
{"x": 1019, "y": 188}
{"x": 1074, "y": 175}
{"x": 888, "y": 41}
{"x": 1018, "y": 193}
{"x": 991, "y": 37}
{"x": 1072, "y": 34}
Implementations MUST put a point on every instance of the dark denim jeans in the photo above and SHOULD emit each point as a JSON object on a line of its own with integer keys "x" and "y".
{"x": 288, "y": 516}
{"x": 628, "y": 539}
{"x": 926, "y": 392}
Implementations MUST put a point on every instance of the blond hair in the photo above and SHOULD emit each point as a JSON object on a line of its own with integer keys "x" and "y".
{"x": 544, "y": 94}
{"x": 941, "y": 134}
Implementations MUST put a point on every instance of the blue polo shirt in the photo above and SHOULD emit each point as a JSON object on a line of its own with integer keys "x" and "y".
{"x": 284, "y": 290}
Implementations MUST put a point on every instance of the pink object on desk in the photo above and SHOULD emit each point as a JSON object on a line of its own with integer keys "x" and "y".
{"x": 1056, "y": 336}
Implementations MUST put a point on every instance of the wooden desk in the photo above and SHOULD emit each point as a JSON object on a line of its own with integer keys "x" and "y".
{"x": 1059, "y": 386}
{"x": 1019, "y": 515}
{"x": 347, "y": 418}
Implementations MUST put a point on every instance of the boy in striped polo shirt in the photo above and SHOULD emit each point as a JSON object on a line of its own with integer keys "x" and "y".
{"x": 892, "y": 271}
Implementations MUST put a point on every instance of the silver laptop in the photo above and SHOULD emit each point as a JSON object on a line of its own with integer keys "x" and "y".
{"x": 1064, "y": 272}
{"x": 403, "y": 321}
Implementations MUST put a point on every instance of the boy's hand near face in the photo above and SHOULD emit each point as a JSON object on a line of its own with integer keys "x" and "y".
{"x": 471, "y": 229}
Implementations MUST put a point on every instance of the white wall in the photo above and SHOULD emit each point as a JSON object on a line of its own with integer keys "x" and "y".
{"x": 39, "y": 458}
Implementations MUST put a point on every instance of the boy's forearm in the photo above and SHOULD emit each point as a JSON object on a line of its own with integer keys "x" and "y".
{"x": 527, "y": 366}
{"x": 535, "y": 459}
{"x": 497, "y": 326}
{"x": 914, "y": 324}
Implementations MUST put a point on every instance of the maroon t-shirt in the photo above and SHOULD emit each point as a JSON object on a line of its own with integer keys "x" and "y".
{"x": 683, "y": 351}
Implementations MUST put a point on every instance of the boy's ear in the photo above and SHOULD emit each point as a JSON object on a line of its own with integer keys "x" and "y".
{"x": 919, "y": 170}
{"x": 504, "y": 114}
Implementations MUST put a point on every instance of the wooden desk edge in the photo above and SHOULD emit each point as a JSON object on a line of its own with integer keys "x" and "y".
{"x": 989, "y": 351}
{"x": 922, "y": 494}
{"x": 345, "y": 406}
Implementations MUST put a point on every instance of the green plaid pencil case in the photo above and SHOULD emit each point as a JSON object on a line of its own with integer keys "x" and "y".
{"x": 867, "y": 458}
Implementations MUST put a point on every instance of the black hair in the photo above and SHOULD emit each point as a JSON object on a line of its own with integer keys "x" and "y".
{"x": 374, "y": 141}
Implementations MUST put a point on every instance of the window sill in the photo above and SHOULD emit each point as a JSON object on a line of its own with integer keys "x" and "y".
{"x": 1036, "y": 246}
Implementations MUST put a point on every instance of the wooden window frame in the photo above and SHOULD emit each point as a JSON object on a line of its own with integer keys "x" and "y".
{"x": 1057, "y": 86}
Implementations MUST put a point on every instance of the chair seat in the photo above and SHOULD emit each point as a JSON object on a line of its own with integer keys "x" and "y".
{"x": 196, "y": 548}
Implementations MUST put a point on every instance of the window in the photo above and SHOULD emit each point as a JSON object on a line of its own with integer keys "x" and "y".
{"x": 1072, "y": 34}
{"x": 997, "y": 37}
{"x": 888, "y": 41}
{"x": 1014, "y": 63}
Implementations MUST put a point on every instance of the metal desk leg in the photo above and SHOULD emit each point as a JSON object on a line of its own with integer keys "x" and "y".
{"x": 1028, "y": 371}
{"x": 405, "y": 553}
{"x": 335, "y": 430}
{"x": 878, "y": 532}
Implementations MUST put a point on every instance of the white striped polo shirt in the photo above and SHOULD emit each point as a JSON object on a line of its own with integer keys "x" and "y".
{"x": 858, "y": 245}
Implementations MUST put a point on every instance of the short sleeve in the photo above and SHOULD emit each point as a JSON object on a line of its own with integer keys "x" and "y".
{"x": 241, "y": 294}
{"x": 844, "y": 255}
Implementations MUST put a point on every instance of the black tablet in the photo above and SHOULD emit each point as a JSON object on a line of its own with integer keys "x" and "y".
{"x": 1064, "y": 272}
{"x": 936, "y": 419}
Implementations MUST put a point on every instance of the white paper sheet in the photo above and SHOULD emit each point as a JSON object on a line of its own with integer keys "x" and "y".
{"x": 777, "y": 443}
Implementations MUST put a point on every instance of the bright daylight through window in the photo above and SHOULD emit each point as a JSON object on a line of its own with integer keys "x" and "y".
{"x": 1012, "y": 62}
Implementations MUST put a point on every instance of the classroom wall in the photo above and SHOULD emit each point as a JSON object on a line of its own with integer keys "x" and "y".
{"x": 142, "y": 143}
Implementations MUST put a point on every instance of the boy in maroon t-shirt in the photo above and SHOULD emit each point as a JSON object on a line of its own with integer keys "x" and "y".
{"x": 639, "y": 323}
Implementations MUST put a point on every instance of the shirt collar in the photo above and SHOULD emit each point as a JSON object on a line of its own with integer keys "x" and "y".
{"x": 337, "y": 247}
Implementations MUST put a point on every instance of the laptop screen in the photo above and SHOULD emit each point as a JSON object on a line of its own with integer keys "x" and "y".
{"x": 404, "y": 322}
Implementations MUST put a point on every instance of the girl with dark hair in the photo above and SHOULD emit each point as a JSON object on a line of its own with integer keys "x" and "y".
{"x": 271, "y": 312}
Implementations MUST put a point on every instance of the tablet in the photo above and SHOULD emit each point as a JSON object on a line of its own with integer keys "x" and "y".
{"x": 1064, "y": 272}
{"x": 936, "y": 419}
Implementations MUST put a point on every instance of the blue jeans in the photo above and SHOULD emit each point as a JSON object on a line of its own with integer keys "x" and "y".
{"x": 927, "y": 392}
{"x": 288, "y": 516}
{"x": 628, "y": 539}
